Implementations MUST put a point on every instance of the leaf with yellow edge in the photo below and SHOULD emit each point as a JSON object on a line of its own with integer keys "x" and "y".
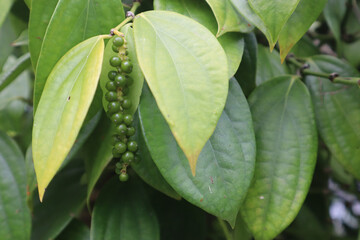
{"x": 63, "y": 106}
{"x": 186, "y": 70}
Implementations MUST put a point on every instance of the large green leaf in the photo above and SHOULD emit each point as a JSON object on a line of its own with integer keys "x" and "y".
{"x": 269, "y": 65}
{"x": 243, "y": 7}
{"x": 14, "y": 215}
{"x": 337, "y": 109}
{"x": 228, "y": 19}
{"x": 64, "y": 199}
{"x": 186, "y": 70}
{"x": 300, "y": 21}
{"x": 232, "y": 43}
{"x": 274, "y": 14}
{"x": 246, "y": 74}
{"x": 146, "y": 168}
{"x": 224, "y": 170}
{"x": 136, "y": 74}
{"x": 99, "y": 152}
{"x": 286, "y": 145}
{"x": 123, "y": 211}
{"x": 51, "y": 34}
{"x": 63, "y": 106}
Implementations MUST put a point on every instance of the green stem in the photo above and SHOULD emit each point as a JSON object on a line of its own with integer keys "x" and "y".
{"x": 225, "y": 229}
{"x": 130, "y": 18}
{"x": 332, "y": 77}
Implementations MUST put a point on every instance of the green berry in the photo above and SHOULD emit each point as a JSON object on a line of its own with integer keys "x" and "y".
{"x": 120, "y": 80}
{"x": 129, "y": 81}
{"x": 127, "y": 157}
{"x": 115, "y": 153}
{"x": 118, "y": 165}
{"x": 110, "y": 86}
{"x": 132, "y": 146}
{"x": 115, "y": 61}
{"x": 123, "y": 177}
{"x": 130, "y": 131}
{"x": 128, "y": 119}
{"x": 125, "y": 90}
{"x": 126, "y": 104}
{"x": 121, "y": 129}
{"x": 111, "y": 96}
{"x": 117, "y": 118}
{"x": 112, "y": 75}
{"x": 117, "y": 170}
{"x": 113, "y": 107}
{"x": 126, "y": 66}
{"x": 115, "y": 139}
{"x": 115, "y": 48}
{"x": 120, "y": 147}
{"x": 118, "y": 41}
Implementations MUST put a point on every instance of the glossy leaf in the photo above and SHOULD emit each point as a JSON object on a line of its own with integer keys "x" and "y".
{"x": 63, "y": 106}
{"x": 269, "y": 65}
{"x": 232, "y": 43}
{"x": 246, "y": 74}
{"x": 51, "y": 34}
{"x": 99, "y": 149}
{"x": 146, "y": 168}
{"x": 337, "y": 109}
{"x": 190, "y": 94}
{"x": 122, "y": 211}
{"x": 300, "y": 21}
{"x": 274, "y": 14}
{"x": 243, "y": 7}
{"x": 286, "y": 146}
{"x": 14, "y": 214}
{"x": 17, "y": 68}
{"x": 228, "y": 19}
{"x": 225, "y": 170}
{"x": 65, "y": 197}
{"x": 136, "y": 74}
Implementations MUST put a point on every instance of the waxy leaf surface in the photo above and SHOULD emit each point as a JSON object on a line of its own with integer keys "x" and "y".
{"x": 225, "y": 165}
{"x": 67, "y": 96}
{"x": 286, "y": 146}
{"x": 186, "y": 70}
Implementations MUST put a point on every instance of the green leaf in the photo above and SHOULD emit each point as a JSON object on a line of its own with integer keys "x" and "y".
{"x": 334, "y": 13}
{"x": 286, "y": 146}
{"x": 51, "y": 34}
{"x": 5, "y": 8}
{"x": 246, "y": 74}
{"x": 66, "y": 99}
{"x": 76, "y": 230}
{"x": 190, "y": 94}
{"x": 136, "y": 74}
{"x": 146, "y": 168}
{"x": 14, "y": 215}
{"x": 224, "y": 170}
{"x": 22, "y": 40}
{"x": 305, "y": 48}
{"x": 337, "y": 109}
{"x": 300, "y": 21}
{"x": 65, "y": 197}
{"x": 122, "y": 211}
{"x": 269, "y": 65}
{"x": 274, "y": 14}
{"x": 17, "y": 68}
{"x": 232, "y": 43}
{"x": 30, "y": 177}
{"x": 228, "y": 19}
{"x": 243, "y": 7}
{"x": 99, "y": 152}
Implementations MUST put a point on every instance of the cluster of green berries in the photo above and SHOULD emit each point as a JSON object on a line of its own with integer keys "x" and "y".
{"x": 119, "y": 104}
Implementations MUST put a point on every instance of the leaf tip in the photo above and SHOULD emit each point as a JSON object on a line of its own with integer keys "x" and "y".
{"x": 41, "y": 193}
{"x": 192, "y": 161}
